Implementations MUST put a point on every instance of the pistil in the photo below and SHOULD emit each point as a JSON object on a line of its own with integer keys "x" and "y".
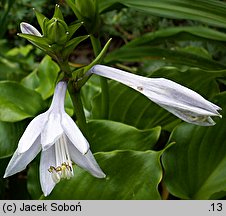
{"x": 63, "y": 169}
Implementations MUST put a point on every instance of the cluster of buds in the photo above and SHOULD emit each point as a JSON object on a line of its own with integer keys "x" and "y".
{"x": 56, "y": 37}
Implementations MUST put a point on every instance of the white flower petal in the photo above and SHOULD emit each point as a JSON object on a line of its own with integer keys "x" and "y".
{"x": 74, "y": 134}
{"x": 57, "y": 104}
{"x": 46, "y": 180}
{"x": 181, "y": 101}
{"x": 87, "y": 161}
{"x": 19, "y": 161}
{"x": 26, "y": 28}
{"x": 52, "y": 130}
{"x": 167, "y": 92}
{"x": 190, "y": 117}
{"x": 31, "y": 133}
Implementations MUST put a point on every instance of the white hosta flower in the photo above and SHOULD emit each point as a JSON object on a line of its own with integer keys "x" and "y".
{"x": 177, "y": 99}
{"x": 61, "y": 142}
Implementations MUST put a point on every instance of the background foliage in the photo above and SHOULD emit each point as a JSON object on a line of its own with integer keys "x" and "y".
{"x": 146, "y": 152}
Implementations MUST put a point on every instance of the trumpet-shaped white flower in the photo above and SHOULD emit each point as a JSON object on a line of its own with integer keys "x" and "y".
{"x": 177, "y": 99}
{"x": 61, "y": 142}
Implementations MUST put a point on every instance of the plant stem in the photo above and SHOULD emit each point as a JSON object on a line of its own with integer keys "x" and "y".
{"x": 65, "y": 67}
{"x": 165, "y": 192}
{"x": 75, "y": 96}
{"x": 103, "y": 81}
{"x": 78, "y": 108}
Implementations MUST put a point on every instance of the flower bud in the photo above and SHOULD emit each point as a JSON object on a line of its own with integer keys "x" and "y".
{"x": 89, "y": 15}
{"x": 57, "y": 31}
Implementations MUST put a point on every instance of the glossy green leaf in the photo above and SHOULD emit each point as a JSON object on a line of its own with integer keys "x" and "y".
{"x": 88, "y": 92}
{"x": 149, "y": 53}
{"x": 155, "y": 47}
{"x": 211, "y": 12}
{"x": 22, "y": 50}
{"x": 130, "y": 175}
{"x": 195, "y": 167}
{"x": 18, "y": 102}
{"x": 47, "y": 73}
{"x": 121, "y": 136}
{"x": 10, "y": 134}
{"x": 33, "y": 184}
{"x": 3, "y": 182}
{"x": 31, "y": 81}
{"x": 178, "y": 33}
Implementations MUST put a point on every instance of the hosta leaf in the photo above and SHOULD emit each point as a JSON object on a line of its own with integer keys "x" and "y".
{"x": 33, "y": 184}
{"x": 211, "y": 12}
{"x": 178, "y": 33}
{"x": 195, "y": 167}
{"x": 172, "y": 57}
{"x": 88, "y": 92}
{"x": 108, "y": 136}
{"x": 18, "y": 102}
{"x": 47, "y": 73}
{"x": 10, "y": 134}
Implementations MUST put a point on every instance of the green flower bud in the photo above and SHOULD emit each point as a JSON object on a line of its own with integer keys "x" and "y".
{"x": 87, "y": 12}
{"x": 56, "y": 30}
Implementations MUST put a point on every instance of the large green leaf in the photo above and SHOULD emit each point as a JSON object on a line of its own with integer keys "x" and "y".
{"x": 195, "y": 167}
{"x": 33, "y": 184}
{"x": 194, "y": 33}
{"x": 165, "y": 46}
{"x": 211, "y": 12}
{"x": 88, "y": 91}
{"x": 130, "y": 175}
{"x": 149, "y": 53}
{"x": 18, "y": 102}
{"x": 3, "y": 182}
{"x": 9, "y": 137}
{"x": 47, "y": 73}
{"x": 43, "y": 78}
{"x": 108, "y": 136}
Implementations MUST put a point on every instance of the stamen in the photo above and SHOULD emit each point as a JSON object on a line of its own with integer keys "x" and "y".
{"x": 55, "y": 176}
{"x": 63, "y": 169}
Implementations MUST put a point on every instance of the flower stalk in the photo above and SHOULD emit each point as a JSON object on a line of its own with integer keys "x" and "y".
{"x": 103, "y": 82}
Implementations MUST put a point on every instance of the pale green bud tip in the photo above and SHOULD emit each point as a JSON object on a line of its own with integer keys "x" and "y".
{"x": 26, "y": 28}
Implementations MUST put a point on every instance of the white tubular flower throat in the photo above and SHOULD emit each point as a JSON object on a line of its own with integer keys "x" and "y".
{"x": 63, "y": 169}
{"x": 177, "y": 99}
